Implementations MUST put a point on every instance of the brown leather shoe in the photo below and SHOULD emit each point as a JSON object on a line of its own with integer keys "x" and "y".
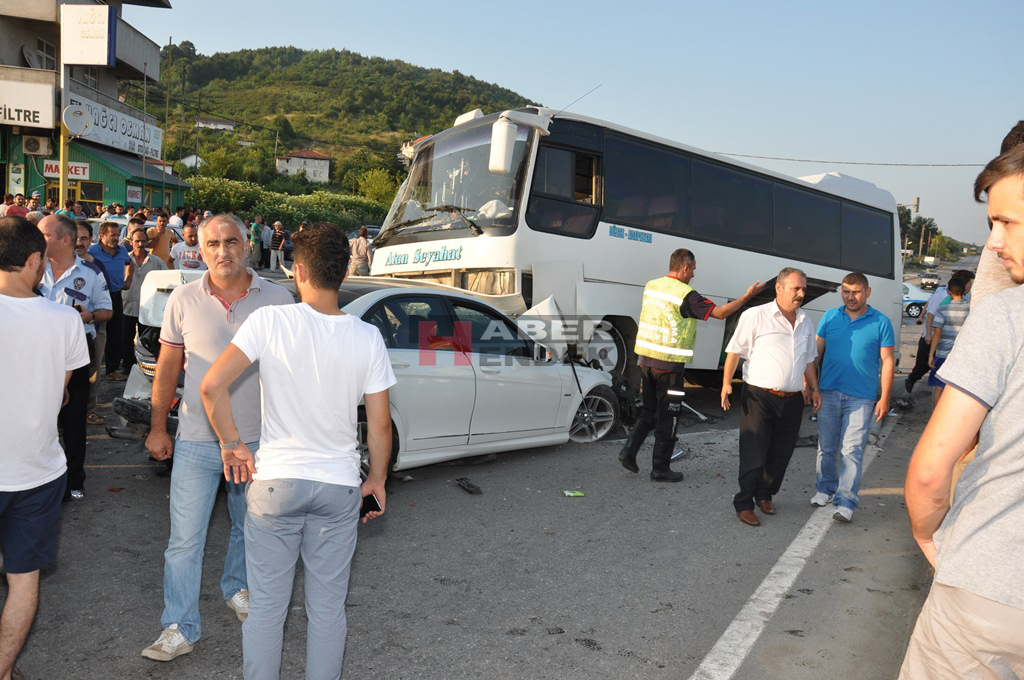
{"x": 767, "y": 507}
{"x": 748, "y": 517}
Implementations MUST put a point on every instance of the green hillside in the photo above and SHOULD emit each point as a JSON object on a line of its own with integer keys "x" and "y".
{"x": 356, "y": 109}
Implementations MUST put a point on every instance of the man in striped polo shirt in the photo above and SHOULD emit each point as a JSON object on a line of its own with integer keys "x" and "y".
{"x": 949, "y": 319}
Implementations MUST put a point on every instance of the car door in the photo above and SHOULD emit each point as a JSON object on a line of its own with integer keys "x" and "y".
{"x": 516, "y": 396}
{"x": 436, "y": 390}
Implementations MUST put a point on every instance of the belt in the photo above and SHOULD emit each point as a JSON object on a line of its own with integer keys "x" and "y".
{"x": 779, "y": 393}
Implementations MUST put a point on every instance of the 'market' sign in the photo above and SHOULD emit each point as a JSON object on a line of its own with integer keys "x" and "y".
{"x": 27, "y": 104}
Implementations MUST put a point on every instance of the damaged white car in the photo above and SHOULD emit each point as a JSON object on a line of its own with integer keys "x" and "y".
{"x": 470, "y": 381}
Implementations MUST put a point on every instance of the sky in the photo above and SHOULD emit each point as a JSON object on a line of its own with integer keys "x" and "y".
{"x": 878, "y": 82}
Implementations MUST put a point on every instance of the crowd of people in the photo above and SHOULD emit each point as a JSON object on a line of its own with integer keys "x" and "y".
{"x": 255, "y": 363}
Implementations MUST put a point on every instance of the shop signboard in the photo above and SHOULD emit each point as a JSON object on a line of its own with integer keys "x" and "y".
{"x": 89, "y": 34}
{"x": 118, "y": 130}
{"x": 26, "y": 104}
{"x": 51, "y": 168}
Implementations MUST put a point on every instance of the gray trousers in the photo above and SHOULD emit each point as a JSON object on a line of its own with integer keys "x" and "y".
{"x": 287, "y": 518}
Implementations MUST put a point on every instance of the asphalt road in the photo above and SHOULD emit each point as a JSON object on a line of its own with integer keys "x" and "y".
{"x": 632, "y": 580}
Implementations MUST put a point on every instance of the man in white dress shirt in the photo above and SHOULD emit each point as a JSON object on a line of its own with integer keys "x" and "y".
{"x": 777, "y": 341}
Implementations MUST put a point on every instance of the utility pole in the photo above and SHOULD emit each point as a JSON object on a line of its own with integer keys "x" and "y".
{"x": 181, "y": 118}
{"x": 145, "y": 142}
{"x": 199, "y": 107}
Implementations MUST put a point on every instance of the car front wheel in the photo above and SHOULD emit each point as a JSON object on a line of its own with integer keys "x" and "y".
{"x": 364, "y": 448}
{"x": 596, "y": 415}
{"x": 914, "y": 310}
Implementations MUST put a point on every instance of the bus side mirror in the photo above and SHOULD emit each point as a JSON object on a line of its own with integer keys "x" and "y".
{"x": 503, "y": 143}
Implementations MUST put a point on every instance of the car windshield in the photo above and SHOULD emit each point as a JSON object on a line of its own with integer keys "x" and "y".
{"x": 451, "y": 193}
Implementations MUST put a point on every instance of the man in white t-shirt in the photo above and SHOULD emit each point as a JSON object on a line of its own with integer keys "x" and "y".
{"x": 178, "y": 218}
{"x": 41, "y": 344}
{"x": 187, "y": 254}
{"x": 316, "y": 364}
{"x": 199, "y": 321}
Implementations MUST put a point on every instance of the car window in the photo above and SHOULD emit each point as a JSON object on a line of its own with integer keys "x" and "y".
{"x": 380, "y": 320}
{"x": 488, "y": 332}
{"x": 418, "y": 323}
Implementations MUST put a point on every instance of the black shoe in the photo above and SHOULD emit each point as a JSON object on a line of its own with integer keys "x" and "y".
{"x": 666, "y": 476}
{"x": 661, "y": 460}
{"x": 628, "y": 459}
{"x": 909, "y": 384}
{"x": 627, "y": 456}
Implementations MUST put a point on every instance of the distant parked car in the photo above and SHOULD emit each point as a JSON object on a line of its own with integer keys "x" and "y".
{"x": 929, "y": 280}
{"x": 914, "y": 300}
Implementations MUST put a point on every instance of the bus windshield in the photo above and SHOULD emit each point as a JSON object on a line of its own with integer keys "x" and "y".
{"x": 450, "y": 193}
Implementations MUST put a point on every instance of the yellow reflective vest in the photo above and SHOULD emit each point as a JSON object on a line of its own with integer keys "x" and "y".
{"x": 663, "y": 333}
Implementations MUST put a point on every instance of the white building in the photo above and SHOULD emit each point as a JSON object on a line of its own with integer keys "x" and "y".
{"x": 192, "y": 161}
{"x": 211, "y": 123}
{"x": 316, "y": 165}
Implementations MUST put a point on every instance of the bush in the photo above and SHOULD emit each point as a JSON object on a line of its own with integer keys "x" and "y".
{"x": 247, "y": 199}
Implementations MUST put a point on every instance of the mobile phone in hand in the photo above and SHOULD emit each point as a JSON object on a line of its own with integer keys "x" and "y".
{"x": 370, "y": 504}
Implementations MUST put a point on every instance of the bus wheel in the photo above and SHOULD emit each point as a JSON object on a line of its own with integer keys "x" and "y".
{"x": 608, "y": 348}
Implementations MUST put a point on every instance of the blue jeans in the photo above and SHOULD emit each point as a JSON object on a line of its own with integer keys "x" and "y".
{"x": 844, "y": 423}
{"x": 288, "y": 518}
{"x": 197, "y": 474}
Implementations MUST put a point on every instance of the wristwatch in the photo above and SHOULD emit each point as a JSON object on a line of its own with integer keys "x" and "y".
{"x": 227, "y": 446}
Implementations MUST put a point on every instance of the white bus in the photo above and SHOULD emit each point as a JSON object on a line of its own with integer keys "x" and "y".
{"x": 535, "y": 203}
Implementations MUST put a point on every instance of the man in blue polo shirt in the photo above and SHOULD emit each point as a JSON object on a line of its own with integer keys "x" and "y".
{"x": 116, "y": 261}
{"x": 855, "y": 343}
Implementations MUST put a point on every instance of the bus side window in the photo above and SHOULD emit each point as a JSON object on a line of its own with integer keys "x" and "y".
{"x": 564, "y": 196}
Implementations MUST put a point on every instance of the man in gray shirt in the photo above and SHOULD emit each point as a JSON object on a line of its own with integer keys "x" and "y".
{"x": 971, "y": 623}
{"x": 200, "y": 320}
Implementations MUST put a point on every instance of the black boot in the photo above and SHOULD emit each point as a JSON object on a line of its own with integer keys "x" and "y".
{"x": 661, "y": 460}
{"x": 627, "y": 456}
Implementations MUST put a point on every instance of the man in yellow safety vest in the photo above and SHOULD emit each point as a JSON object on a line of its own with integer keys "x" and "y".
{"x": 664, "y": 345}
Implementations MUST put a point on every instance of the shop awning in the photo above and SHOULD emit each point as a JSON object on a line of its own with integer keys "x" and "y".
{"x": 132, "y": 166}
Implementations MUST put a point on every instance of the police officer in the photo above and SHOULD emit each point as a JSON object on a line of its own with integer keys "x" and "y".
{"x": 664, "y": 345}
{"x": 72, "y": 281}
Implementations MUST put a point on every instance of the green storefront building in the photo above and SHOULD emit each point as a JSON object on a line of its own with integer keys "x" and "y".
{"x": 97, "y": 175}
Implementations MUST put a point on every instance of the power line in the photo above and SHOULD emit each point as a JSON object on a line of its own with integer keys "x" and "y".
{"x": 897, "y": 165}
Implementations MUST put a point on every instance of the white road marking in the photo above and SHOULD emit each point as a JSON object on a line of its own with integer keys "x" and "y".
{"x": 733, "y": 647}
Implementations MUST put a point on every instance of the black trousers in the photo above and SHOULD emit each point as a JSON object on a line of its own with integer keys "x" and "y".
{"x": 114, "y": 353}
{"x": 71, "y": 420}
{"x": 769, "y": 428}
{"x": 128, "y": 329}
{"x": 921, "y": 367}
{"x": 265, "y": 259}
{"x": 654, "y": 411}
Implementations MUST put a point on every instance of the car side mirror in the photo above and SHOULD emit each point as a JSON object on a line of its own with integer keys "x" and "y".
{"x": 541, "y": 353}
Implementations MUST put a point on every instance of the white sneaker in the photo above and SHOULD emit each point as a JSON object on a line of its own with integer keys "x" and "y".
{"x": 843, "y": 514}
{"x": 239, "y": 603}
{"x": 171, "y": 643}
{"x": 820, "y": 499}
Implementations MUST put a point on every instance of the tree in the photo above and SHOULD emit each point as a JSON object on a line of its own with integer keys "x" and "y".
{"x": 378, "y": 185}
{"x": 905, "y": 221}
{"x": 922, "y": 228}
